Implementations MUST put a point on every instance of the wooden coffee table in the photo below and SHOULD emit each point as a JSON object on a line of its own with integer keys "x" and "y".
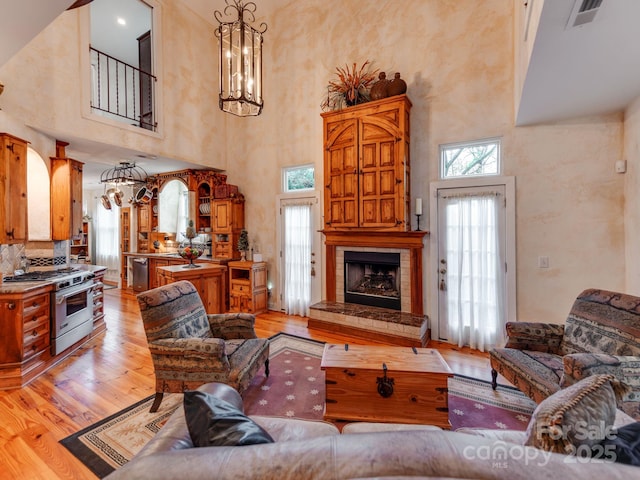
{"x": 386, "y": 384}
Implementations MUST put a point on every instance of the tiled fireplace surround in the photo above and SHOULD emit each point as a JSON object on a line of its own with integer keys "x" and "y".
{"x": 409, "y": 326}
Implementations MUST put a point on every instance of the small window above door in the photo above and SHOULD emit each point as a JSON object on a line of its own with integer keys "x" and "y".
{"x": 470, "y": 159}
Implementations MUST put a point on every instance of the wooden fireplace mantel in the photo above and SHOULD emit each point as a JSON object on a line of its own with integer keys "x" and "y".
{"x": 413, "y": 241}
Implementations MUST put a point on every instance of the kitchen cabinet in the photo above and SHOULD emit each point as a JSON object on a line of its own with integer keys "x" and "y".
{"x": 13, "y": 189}
{"x": 203, "y": 218}
{"x": 154, "y": 274}
{"x": 367, "y": 166}
{"x": 227, "y": 221}
{"x": 208, "y": 279}
{"x": 24, "y": 332}
{"x": 125, "y": 244}
{"x": 99, "y": 324}
{"x": 66, "y": 195}
{"x": 144, "y": 218}
{"x": 248, "y": 287}
{"x": 80, "y": 245}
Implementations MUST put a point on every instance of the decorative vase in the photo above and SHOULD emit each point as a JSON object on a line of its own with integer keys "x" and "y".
{"x": 380, "y": 89}
{"x": 191, "y": 251}
{"x": 243, "y": 255}
{"x": 397, "y": 86}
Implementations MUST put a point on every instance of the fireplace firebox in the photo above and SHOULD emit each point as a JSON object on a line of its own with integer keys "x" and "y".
{"x": 372, "y": 278}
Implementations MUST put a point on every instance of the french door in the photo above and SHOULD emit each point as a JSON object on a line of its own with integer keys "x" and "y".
{"x": 300, "y": 259}
{"x": 472, "y": 280}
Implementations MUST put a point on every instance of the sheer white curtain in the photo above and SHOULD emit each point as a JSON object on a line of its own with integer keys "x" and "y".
{"x": 182, "y": 214}
{"x": 475, "y": 277}
{"x": 297, "y": 257}
{"x": 107, "y": 234}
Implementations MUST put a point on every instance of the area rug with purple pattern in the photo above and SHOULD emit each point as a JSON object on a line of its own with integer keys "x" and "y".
{"x": 295, "y": 388}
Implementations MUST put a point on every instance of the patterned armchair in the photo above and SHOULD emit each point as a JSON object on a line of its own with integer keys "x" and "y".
{"x": 601, "y": 335}
{"x": 190, "y": 348}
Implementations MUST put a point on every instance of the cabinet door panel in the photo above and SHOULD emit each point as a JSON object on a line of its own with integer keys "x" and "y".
{"x": 350, "y": 212}
{"x": 369, "y": 156}
{"x": 222, "y": 217}
{"x": 369, "y": 212}
{"x": 387, "y": 182}
{"x": 13, "y": 189}
{"x": 378, "y": 188}
{"x": 144, "y": 218}
{"x": 388, "y": 211}
{"x": 387, "y": 154}
{"x": 341, "y": 175}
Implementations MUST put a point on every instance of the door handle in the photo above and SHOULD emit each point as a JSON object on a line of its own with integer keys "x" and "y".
{"x": 442, "y": 286}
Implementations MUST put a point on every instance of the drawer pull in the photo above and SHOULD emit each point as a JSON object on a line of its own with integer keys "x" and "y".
{"x": 35, "y": 333}
{"x": 35, "y": 304}
{"x": 11, "y": 306}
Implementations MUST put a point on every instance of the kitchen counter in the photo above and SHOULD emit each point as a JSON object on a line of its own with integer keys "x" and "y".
{"x": 26, "y": 287}
{"x": 204, "y": 258}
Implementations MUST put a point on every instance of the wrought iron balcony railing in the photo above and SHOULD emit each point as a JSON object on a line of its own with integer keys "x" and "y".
{"x": 122, "y": 90}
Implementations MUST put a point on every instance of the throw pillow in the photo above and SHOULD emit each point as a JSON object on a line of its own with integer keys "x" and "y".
{"x": 575, "y": 419}
{"x": 212, "y": 422}
{"x": 624, "y": 445}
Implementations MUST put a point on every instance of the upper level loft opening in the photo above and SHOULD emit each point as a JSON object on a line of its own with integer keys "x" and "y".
{"x": 122, "y": 78}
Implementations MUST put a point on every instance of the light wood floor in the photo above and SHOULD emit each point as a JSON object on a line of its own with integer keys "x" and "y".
{"x": 110, "y": 373}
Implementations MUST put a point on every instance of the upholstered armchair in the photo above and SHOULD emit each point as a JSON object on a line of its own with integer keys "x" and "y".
{"x": 601, "y": 335}
{"x": 190, "y": 348}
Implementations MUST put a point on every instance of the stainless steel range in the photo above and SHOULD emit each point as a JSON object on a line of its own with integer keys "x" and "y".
{"x": 71, "y": 304}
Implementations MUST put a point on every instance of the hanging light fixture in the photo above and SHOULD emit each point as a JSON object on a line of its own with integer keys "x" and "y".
{"x": 125, "y": 173}
{"x": 240, "y": 60}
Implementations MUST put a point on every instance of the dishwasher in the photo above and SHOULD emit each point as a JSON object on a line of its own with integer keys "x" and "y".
{"x": 140, "y": 274}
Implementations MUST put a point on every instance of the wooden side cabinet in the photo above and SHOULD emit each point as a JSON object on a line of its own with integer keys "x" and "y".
{"x": 248, "y": 287}
{"x": 13, "y": 189}
{"x": 366, "y": 166}
{"x": 227, "y": 221}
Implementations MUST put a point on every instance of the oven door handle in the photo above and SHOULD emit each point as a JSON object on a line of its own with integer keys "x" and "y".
{"x": 61, "y": 296}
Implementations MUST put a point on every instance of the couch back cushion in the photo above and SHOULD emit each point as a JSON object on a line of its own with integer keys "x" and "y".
{"x": 603, "y": 322}
{"x": 174, "y": 310}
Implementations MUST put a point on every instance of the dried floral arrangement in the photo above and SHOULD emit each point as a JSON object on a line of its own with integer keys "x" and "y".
{"x": 351, "y": 88}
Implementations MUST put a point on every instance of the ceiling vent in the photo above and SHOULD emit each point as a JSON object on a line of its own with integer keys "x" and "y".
{"x": 584, "y": 11}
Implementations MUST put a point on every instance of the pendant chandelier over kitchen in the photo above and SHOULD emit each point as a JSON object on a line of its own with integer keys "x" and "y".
{"x": 240, "y": 60}
{"x": 125, "y": 173}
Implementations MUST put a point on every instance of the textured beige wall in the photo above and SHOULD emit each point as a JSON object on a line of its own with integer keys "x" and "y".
{"x": 43, "y": 85}
{"x": 632, "y": 194}
{"x": 457, "y": 58}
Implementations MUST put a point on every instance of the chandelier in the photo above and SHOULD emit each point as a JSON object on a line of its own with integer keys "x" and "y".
{"x": 124, "y": 174}
{"x": 240, "y": 60}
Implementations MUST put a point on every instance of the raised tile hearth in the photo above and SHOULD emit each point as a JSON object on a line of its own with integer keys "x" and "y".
{"x": 392, "y": 326}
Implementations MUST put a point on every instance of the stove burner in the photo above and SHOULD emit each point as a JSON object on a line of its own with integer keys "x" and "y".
{"x": 38, "y": 275}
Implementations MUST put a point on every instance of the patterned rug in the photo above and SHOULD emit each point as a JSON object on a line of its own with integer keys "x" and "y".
{"x": 295, "y": 388}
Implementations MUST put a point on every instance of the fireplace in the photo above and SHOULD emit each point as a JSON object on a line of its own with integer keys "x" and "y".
{"x": 372, "y": 278}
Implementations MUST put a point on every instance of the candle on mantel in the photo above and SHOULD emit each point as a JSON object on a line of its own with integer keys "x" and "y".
{"x": 418, "y": 206}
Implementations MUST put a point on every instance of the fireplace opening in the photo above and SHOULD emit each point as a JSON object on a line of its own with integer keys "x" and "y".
{"x": 372, "y": 278}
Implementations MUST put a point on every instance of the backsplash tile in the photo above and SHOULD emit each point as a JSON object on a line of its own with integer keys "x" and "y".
{"x": 41, "y": 256}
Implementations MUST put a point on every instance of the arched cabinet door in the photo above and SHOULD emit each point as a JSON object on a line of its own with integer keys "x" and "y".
{"x": 13, "y": 189}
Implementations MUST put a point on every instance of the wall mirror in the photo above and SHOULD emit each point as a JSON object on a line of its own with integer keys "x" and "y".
{"x": 38, "y": 197}
{"x": 175, "y": 203}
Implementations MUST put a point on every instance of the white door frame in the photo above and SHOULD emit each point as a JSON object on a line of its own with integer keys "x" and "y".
{"x": 510, "y": 243}
{"x": 316, "y": 284}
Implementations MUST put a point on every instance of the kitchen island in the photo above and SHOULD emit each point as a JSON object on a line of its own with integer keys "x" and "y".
{"x": 159, "y": 260}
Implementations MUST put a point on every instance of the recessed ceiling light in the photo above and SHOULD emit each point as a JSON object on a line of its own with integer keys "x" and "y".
{"x": 121, "y": 21}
